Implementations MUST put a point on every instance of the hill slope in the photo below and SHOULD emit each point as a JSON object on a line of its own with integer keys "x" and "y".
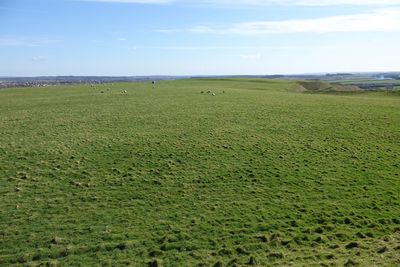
{"x": 321, "y": 86}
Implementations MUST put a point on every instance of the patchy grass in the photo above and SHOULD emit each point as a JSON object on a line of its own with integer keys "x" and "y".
{"x": 256, "y": 175}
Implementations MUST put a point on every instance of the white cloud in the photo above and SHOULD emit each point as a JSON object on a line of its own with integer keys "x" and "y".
{"x": 134, "y": 1}
{"x": 382, "y": 20}
{"x": 250, "y": 56}
{"x": 4, "y": 41}
{"x": 305, "y": 2}
{"x": 38, "y": 58}
{"x": 201, "y": 29}
{"x": 225, "y": 47}
{"x": 260, "y": 2}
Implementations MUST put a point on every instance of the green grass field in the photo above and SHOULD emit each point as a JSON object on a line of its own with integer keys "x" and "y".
{"x": 258, "y": 175}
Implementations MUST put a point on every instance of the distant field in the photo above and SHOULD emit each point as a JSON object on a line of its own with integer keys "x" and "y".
{"x": 366, "y": 81}
{"x": 258, "y": 174}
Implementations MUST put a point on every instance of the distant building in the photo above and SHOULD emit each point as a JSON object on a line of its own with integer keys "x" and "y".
{"x": 382, "y": 77}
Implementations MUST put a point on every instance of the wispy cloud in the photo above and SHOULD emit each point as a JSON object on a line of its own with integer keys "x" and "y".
{"x": 304, "y": 2}
{"x": 134, "y": 1}
{"x": 38, "y": 58}
{"x": 5, "y": 41}
{"x": 227, "y": 47}
{"x": 382, "y": 20}
{"x": 260, "y": 2}
{"x": 250, "y": 56}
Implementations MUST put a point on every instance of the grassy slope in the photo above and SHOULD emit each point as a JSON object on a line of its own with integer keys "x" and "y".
{"x": 188, "y": 179}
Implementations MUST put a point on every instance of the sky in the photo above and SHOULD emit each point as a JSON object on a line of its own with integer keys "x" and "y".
{"x": 206, "y": 37}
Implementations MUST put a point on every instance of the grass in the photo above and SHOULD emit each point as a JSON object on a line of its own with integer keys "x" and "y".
{"x": 258, "y": 175}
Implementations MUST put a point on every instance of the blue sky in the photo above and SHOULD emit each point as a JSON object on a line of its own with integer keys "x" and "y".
{"x": 207, "y": 37}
